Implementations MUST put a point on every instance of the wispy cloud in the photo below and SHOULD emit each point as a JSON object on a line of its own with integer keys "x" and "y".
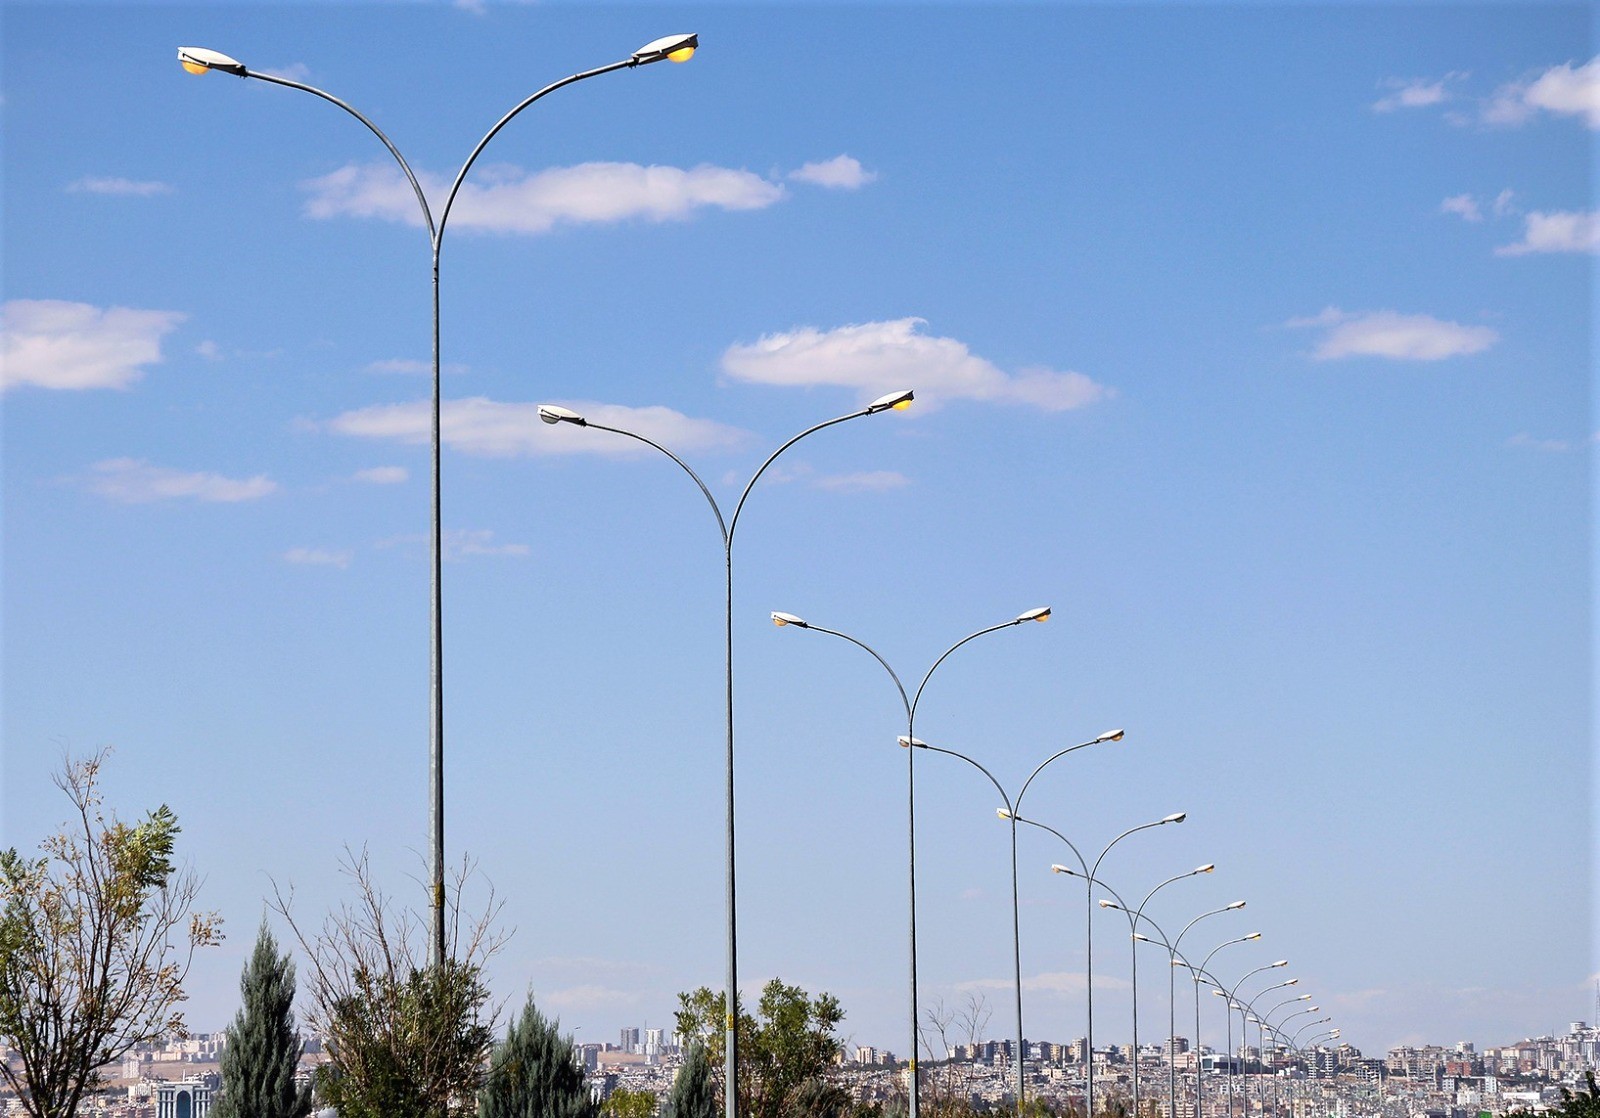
{"x": 869, "y": 481}
{"x": 1526, "y": 441}
{"x": 382, "y": 475}
{"x": 50, "y": 343}
{"x": 132, "y": 481}
{"x": 317, "y": 557}
{"x": 839, "y": 173}
{"x": 510, "y": 200}
{"x": 294, "y": 71}
{"x": 493, "y": 429}
{"x": 1063, "y": 983}
{"x": 1463, "y": 205}
{"x": 126, "y": 188}
{"x": 1398, "y": 337}
{"x": 1561, "y": 231}
{"x": 1415, "y": 93}
{"x": 1565, "y": 90}
{"x": 879, "y": 357}
{"x": 463, "y": 543}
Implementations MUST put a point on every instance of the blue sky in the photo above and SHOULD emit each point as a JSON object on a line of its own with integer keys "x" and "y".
{"x": 1256, "y": 341}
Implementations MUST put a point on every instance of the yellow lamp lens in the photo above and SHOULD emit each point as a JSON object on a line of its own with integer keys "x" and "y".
{"x": 195, "y": 67}
{"x": 683, "y": 54}
{"x": 902, "y": 405}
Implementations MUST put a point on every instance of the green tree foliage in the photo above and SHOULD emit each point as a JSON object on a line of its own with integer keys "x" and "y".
{"x": 533, "y": 1074}
{"x": 405, "y": 1038}
{"x": 693, "y": 1094}
{"x": 790, "y": 1040}
{"x": 96, "y": 937}
{"x": 624, "y": 1103}
{"x": 817, "y": 1098}
{"x": 1581, "y": 1103}
{"x": 263, "y": 1050}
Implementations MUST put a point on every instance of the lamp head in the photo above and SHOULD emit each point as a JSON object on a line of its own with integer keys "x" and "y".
{"x": 1292, "y": 982}
{"x": 1108, "y": 904}
{"x": 1281, "y": 963}
{"x": 899, "y": 401}
{"x": 1209, "y": 867}
{"x": 197, "y": 60}
{"x": 1175, "y": 817}
{"x": 550, "y": 413}
{"x": 782, "y": 619}
{"x": 1058, "y": 868}
{"x": 1040, "y": 614}
{"x": 675, "y": 48}
{"x": 1110, "y": 735}
{"x": 1234, "y": 905}
{"x": 1253, "y": 935}
{"x": 907, "y": 743}
{"x": 1142, "y": 938}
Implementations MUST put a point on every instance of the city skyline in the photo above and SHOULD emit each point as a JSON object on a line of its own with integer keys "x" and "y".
{"x": 1259, "y": 349}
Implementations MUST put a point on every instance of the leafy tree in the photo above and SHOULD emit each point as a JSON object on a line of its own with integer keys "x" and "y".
{"x": 258, "y": 1066}
{"x": 624, "y": 1103}
{"x": 816, "y": 1098}
{"x": 693, "y": 1095}
{"x": 533, "y": 1074}
{"x": 96, "y": 937}
{"x": 1582, "y": 1104}
{"x": 405, "y": 1038}
{"x": 791, "y": 1039}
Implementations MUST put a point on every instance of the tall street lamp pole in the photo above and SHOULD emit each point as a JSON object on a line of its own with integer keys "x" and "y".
{"x": 1010, "y": 812}
{"x": 910, "y": 703}
{"x": 199, "y": 60}
{"x": 1232, "y": 1005}
{"x": 1135, "y": 915}
{"x": 550, "y": 413}
{"x": 1198, "y": 973}
{"x": 1172, "y": 997}
{"x": 1088, "y": 874}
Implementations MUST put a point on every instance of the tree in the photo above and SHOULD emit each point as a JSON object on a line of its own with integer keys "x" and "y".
{"x": 258, "y": 1066}
{"x": 405, "y": 1038}
{"x": 791, "y": 1040}
{"x": 96, "y": 937}
{"x": 533, "y": 1074}
{"x": 623, "y": 1103}
{"x": 692, "y": 1094}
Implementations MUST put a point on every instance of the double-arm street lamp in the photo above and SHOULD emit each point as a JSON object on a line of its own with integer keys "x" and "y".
{"x": 199, "y": 60}
{"x": 1199, "y": 974}
{"x": 910, "y": 703}
{"x": 1010, "y": 813}
{"x": 1090, "y": 880}
{"x": 728, "y": 525}
{"x": 1230, "y": 1005}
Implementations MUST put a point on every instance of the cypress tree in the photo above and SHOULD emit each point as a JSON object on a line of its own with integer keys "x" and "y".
{"x": 263, "y": 1049}
{"x": 532, "y": 1074}
{"x": 693, "y": 1095}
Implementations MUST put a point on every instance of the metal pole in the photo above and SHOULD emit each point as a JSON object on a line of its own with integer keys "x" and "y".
{"x": 1016, "y": 957}
{"x": 730, "y": 1069}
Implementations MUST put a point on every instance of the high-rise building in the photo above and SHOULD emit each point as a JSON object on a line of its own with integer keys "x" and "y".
{"x": 630, "y": 1040}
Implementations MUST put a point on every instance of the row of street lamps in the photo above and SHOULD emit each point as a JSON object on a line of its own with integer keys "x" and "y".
{"x": 679, "y": 48}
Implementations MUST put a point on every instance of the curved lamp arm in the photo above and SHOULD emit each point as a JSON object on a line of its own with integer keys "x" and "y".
{"x": 1109, "y": 735}
{"x": 684, "y": 466}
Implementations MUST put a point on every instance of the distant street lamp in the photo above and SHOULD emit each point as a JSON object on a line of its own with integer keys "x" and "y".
{"x": 910, "y": 703}
{"x": 200, "y": 60}
{"x": 1009, "y": 813}
{"x": 550, "y": 413}
{"x": 1088, "y": 874}
{"x": 1135, "y": 915}
{"x": 1197, "y": 973}
{"x": 1230, "y": 1006}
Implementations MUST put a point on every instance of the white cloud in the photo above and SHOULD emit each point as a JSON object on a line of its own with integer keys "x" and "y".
{"x": 492, "y": 429}
{"x": 132, "y": 481}
{"x": 1563, "y": 231}
{"x": 127, "y": 188}
{"x": 510, "y": 200}
{"x": 1547, "y": 446}
{"x": 1400, "y": 337}
{"x": 1415, "y": 93}
{"x": 408, "y": 367}
{"x": 55, "y": 344}
{"x": 1564, "y": 90}
{"x": 317, "y": 557}
{"x": 463, "y": 543}
{"x": 294, "y": 71}
{"x": 1462, "y": 204}
{"x": 1502, "y": 202}
{"x": 870, "y": 481}
{"x": 1063, "y": 983}
{"x": 382, "y": 475}
{"x": 210, "y": 350}
{"x": 839, "y": 173}
{"x": 879, "y": 357}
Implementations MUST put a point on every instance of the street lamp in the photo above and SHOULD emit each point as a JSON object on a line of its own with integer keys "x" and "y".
{"x": 789, "y": 620}
{"x": 1196, "y": 973}
{"x": 1134, "y": 915}
{"x": 1232, "y": 1005}
{"x": 552, "y": 414}
{"x": 200, "y": 60}
{"x": 1010, "y": 812}
{"x": 1090, "y": 880}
